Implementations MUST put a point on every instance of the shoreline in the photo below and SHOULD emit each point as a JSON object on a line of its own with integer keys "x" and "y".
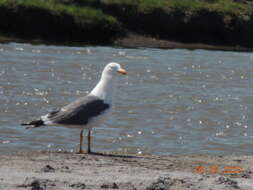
{"x": 141, "y": 41}
{"x": 54, "y": 170}
{"x": 134, "y": 41}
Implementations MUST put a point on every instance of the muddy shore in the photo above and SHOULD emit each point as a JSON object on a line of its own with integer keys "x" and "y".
{"x": 52, "y": 170}
{"x": 142, "y": 41}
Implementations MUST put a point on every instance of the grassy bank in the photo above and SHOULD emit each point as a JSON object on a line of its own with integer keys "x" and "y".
{"x": 216, "y": 22}
{"x": 223, "y": 6}
{"x": 53, "y": 21}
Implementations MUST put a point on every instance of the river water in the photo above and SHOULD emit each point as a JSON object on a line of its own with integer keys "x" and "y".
{"x": 172, "y": 102}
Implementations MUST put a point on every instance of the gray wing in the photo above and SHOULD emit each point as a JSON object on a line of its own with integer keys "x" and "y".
{"x": 79, "y": 112}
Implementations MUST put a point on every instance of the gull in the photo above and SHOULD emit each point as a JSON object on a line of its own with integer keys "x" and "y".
{"x": 86, "y": 112}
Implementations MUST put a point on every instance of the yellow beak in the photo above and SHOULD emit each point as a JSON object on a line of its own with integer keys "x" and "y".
{"x": 122, "y": 71}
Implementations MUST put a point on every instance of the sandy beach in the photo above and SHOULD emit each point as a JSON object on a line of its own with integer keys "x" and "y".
{"x": 58, "y": 170}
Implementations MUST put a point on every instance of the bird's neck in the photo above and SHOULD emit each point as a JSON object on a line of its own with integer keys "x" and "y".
{"x": 105, "y": 88}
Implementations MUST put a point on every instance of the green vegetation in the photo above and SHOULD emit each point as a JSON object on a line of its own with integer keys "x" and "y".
{"x": 224, "y": 6}
{"x": 62, "y": 22}
{"x": 84, "y": 14}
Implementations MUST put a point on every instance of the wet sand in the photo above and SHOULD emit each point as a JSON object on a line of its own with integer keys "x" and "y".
{"x": 54, "y": 171}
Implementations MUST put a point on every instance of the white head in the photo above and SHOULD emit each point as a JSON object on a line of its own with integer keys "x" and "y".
{"x": 112, "y": 69}
{"x": 105, "y": 88}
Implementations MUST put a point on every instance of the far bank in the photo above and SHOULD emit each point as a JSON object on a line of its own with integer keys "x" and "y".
{"x": 216, "y": 24}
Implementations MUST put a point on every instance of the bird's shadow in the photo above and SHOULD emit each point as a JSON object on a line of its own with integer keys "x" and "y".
{"x": 102, "y": 154}
{"x": 111, "y": 155}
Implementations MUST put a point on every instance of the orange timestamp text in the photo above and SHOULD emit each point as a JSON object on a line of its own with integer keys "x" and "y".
{"x": 217, "y": 169}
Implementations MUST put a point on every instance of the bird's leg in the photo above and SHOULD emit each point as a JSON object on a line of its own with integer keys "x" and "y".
{"x": 81, "y": 142}
{"x": 89, "y": 137}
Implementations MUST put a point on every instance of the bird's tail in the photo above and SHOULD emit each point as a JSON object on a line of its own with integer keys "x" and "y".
{"x": 34, "y": 124}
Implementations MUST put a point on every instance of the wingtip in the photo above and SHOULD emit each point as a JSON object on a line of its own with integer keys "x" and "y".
{"x": 25, "y": 124}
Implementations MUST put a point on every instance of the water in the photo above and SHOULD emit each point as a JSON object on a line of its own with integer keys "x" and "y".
{"x": 172, "y": 101}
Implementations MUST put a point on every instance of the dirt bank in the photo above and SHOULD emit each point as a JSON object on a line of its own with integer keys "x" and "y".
{"x": 141, "y": 41}
{"x": 54, "y": 171}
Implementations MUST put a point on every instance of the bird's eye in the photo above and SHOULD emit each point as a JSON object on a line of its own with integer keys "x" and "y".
{"x": 110, "y": 68}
